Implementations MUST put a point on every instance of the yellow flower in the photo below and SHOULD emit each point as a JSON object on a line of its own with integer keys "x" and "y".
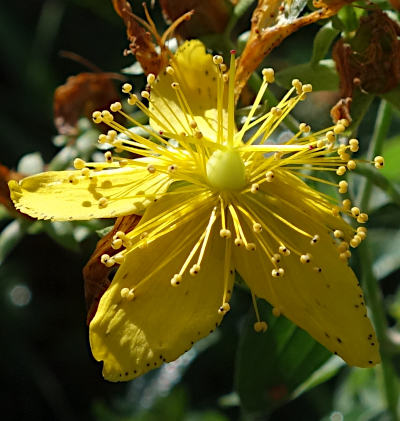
{"x": 217, "y": 200}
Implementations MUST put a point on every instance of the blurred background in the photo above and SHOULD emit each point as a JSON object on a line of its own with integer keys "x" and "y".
{"x": 47, "y": 371}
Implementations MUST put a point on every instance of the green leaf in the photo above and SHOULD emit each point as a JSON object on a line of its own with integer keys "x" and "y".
{"x": 270, "y": 366}
{"x": 62, "y": 233}
{"x": 322, "y": 75}
{"x": 10, "y": 237}
{"x": 386, "y": 253}
{"x": 322, "y": 42}
{"x": 393, "y": 97}
{"x": 391, "y": 150}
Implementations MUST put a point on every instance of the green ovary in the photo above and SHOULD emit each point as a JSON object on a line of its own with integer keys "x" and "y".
{"x": 226, "y": 171}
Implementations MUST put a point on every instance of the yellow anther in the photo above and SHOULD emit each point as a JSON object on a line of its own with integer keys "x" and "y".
{"x": 276, "y": 312}
{"x": 119, "y": 258}
{"x": 269, "y": 176}
{"x": 320, "y": 143}
{"x": 277, "y": 156}
{"x": 250, "y": 246}
{"x": 175, "y": 85}
{"x": 103, "y": 202}
{"x": 344, "y": 256}
{"x": 276, "y": 258}
{"x": 354, "y": 145}
{"x": 307, "y": 88}
{"x": 225, "y": 78}
{"x": 111, "y": 134}
{"x": 346, "y": 204}
{"x": 145, "y": 94}
{"x": 193, "y": 124}
{"x": 343, "y": 186}
{"x": 172, "y": 168}
{"x": 355, "y": 242}
{"x": 335, "y": 210}
{"x": 107, "y": 260}
{"x": 338, "y": 234}
{"x": 284, "y": 250}
{"x": 269, "y": 75}
{"x": 85, "y": 172}
{"x": 102, "y": 138}
{"x": 275, "y": 273}
{"x": 343, "y": 246}
{"x": 128, "y": 294}
{"x": 107, "y": 116}
{"x": 133, "y": 99}
{"x": 238, "y": 242}
{"x": 362, "y": 218}
{"x": 330, "y": 136}
{"x": 198, "y": 134}
{"x": 151, "y": 169}
{"x": 176, "y": 280}
{"x": 151, "y": 78}
{"x": 351, "y": 165}
{"x": 223, "y": 67}
{"x": 224, "y": 233}
{"x": 195, "y": 269}
{"x": 123, "y": 163}
{"x": 224, "y": 308}
{"x": 257, "y": 227}
{"x": 315, "y": 239}
{"x": 362, "y": 229}
{"x": 115, "y": 107}
{"x": 254, "y": 188}
{"x": 339, "y": 128}
{"x": 276, "y": 112}
{"x": 379, "y": 162}
{"x": 108, "y": 157}
{"x": 341, "y": 170}
{"x": 298, "y": 86}
{"x": 362, "y": 235}
{"x": 116, "y": 244}
{"x": 305, "y": 258}
{"x": 97, "y": 118}
{"x": 126, "y": 88}
{"x": 73, "y": 179}
{"x": 218, "y": 59}
{"x": 260, "y": 327}
{"x": 355, "y": 211}
{"x": 170, "y": 70}
{"x": 79, "y": 163}
{"x": 303, "y": 127}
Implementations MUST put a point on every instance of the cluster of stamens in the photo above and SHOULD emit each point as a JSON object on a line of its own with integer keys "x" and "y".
{"x": 237, "y": 213}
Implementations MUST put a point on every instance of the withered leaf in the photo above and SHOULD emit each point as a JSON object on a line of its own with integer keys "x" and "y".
{"x": 210, "y": 16}
{"x": 95, "y": 274}
{"x": 271, "y": 23}
{"x": 80, "y": 96}
{"x": 140, "y": 41}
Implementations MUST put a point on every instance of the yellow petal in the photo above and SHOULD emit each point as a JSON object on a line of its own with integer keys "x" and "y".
{"x": 68, "y": 195}
{"x": 162, "y": 321}
{"x": 328, "y": 304}
{"x": 197, "y": 77}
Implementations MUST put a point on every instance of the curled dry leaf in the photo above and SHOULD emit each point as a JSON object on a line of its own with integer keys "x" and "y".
{"x": 140, "y": 33}
{"x": 80, "y": 96}
{"x": 210, "y": 16}
{"x": 95, "y": 274}
{"x": 370, "y": 61}
{"x": 271, "y": 23}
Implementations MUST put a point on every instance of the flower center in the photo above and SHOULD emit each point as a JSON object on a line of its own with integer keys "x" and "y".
{"x": 225, "y": 170}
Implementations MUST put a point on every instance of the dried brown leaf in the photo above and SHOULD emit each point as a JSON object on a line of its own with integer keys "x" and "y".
{"x": 95, "y": 274}
{"x": 210, "y": 16}
{"x": 80, "y": 96}
{"x": 269, "y": 28}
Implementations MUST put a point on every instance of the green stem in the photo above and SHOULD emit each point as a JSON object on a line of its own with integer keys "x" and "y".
{"x": 381, "y": 129}
{"x": 373, "y": 293}
{"x": 254, "y": 83}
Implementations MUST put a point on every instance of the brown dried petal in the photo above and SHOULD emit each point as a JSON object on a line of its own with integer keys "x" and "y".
{"x": 269, "y": 28}
{"x": 80, "y": 96}
{"x": 140, "y": 41}
{"x": 95, "y": 274}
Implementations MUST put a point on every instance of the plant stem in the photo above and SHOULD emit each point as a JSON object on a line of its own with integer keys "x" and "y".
{"x": 373, "y": 293}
